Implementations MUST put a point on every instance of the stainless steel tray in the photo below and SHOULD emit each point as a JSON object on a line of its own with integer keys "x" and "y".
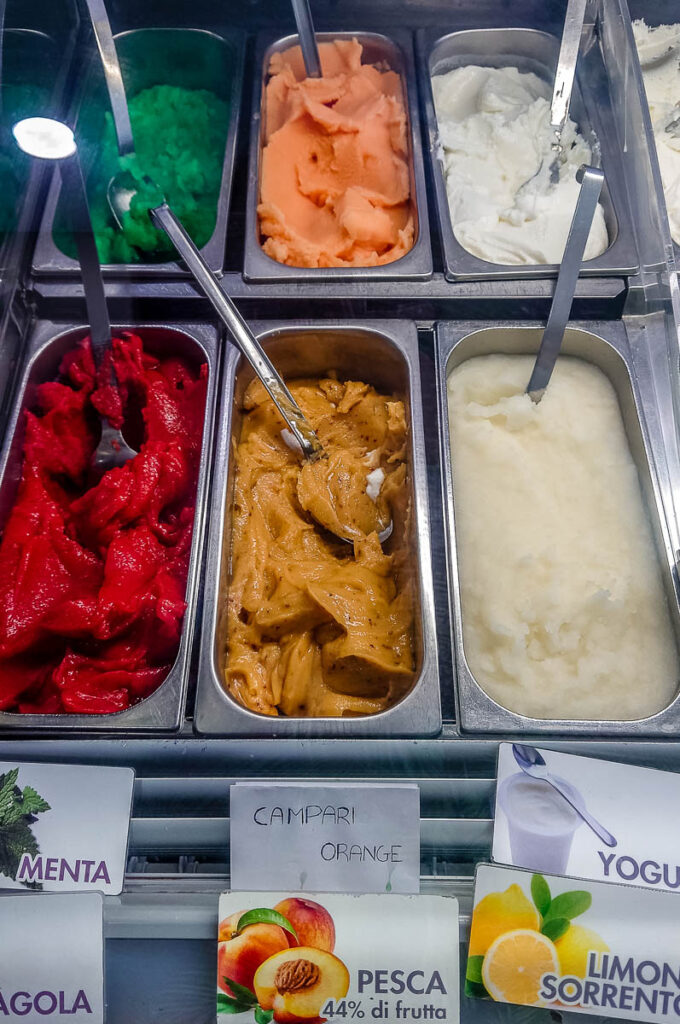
{"x": 395, "y": 52}
{"x": 529, "y": 50}
{"x": 385, "y": 353}
{"x": 476, "y": 711}
{"x": 191, "y": 58}
{"x": 163, "y": 709}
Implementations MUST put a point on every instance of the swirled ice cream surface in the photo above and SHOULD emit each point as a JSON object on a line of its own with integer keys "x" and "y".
{"x": 662, "y": 85}
{"x": 494, "y": 132}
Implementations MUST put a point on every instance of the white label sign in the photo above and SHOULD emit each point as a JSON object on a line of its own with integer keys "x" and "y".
{"x": 51, "y": 958}
{"x": 325, "y": 837}
{"x": 353, "y": 958}
{"x": 606, "y": 821}
{"x": 610, "y": 951}
{"x": 64, "y": 827}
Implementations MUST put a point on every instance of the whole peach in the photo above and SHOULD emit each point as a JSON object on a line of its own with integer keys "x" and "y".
{"x": 312, "y": 923}
{"x": 238, "y": 957}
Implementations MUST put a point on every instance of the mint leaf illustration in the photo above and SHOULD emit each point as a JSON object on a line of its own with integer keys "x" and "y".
{"x": 32, "y": 802}
{"x": 570, "y": 904}
{"x": 18, "y": 811}
{"x": 555, "y": 928}
{"x": 540, "y": 893}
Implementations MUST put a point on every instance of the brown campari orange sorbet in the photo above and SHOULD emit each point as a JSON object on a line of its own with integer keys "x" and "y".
{"x": 335, "y": 183}
{"x": 314, "y": 626}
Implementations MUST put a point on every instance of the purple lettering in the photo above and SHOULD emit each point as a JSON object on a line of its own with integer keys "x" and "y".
{"x": 608, "y": 994}
{"x": 590, "y": 990}
{"x": 30, "y": 869}
{"x": 46, "y": 1003}
{"x": 87, "y": 864}
{"x": 650, "y": 1000}
{"x": 81, "y": 1003}
{"x": 101, "y": 872}
{"x": 665, "y": 996}
{"x": 20, "y": 1009}
{"x": 606, "y": 861}
{"x": 626, "y": 994}
{"x": 65, "y": 868}
{"x": 51, "y": 868}
{"x": 655, "y": 972}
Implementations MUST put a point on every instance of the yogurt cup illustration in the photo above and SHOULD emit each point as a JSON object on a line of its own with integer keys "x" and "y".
{"x": 541, "y": 824}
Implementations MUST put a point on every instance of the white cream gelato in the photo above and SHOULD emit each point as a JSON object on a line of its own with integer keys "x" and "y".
{"x": 662, "y": 85}
{"x": 494, "y": 130}
{"x": 563, "y": 609}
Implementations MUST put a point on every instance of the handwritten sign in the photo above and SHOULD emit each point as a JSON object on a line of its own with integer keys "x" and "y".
{"x": 325, "y": 837}
{"x": 51, "y": 958}
{"x": 64, "y": 827}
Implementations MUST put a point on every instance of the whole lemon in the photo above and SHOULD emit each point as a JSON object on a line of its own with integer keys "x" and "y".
{"x": 501, "y": 912}
{"x": 573, "y": 949}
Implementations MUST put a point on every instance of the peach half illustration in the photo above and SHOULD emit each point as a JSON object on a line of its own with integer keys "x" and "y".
{"x": 312, "y": 923}
{"x": 238, "y": 957}
{"x": 297, "y": 983}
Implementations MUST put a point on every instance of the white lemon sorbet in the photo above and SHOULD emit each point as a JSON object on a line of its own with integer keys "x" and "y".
{"x": 564, "y": 614}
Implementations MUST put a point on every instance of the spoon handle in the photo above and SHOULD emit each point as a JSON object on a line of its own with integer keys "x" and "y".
{"x": 305, "y": 27}
{"x": 566, "y": 63}
{"x": 93, "y": 284}
{"x": 591, "y": 179}
{"x": 114, "y": 79}
{"x": 165, "y": 219}
{"x": 600, "y": 831}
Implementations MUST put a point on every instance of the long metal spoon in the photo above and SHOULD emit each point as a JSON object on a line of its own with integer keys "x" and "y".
{"x": 532, "y": 762}
{"x": 562, "y": 88}
{"x": 47, "y": 139}
{"x": 101, "y": 27}
{"x": 305, "y": 27}
{"x": 163, "y": 217}
{"x": 591, "y": 179}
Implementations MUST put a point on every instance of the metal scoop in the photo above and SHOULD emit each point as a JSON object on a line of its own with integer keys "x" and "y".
{"x": 591, "y": 179}
{"x": 305, "y": 27}
{"x": 561, "y": 98}
{"x": 532, "y": 762}
{"x": 46, "y": 139}
{"x": 163, "y": 217}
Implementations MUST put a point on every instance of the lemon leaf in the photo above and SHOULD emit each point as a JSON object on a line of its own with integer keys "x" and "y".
{"x": 475, "y": 991}
{"x": 540, "y": 893}
{"x": 570, "y": 904}
{"x": 555, "y": 928}
{"x": 473, "y": 971}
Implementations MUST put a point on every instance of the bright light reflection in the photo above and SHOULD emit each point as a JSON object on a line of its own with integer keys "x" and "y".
{"x": 45, "y": 138}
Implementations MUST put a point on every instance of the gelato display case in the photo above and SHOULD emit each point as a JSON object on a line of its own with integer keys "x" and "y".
{"x": 187, "y": 614}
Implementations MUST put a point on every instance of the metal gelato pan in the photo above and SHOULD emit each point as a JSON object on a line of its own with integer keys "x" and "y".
{"x": 530, "y": 50}
{"x": 45, "y": 348}
{"x": 476, "y": 711}
{"x": 191, "y": 59}
{"x": 396, "y": 54}
{"x": 383, "y": 353}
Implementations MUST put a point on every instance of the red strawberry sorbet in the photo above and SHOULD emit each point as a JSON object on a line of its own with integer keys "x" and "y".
{"x": 93, "y": 574}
